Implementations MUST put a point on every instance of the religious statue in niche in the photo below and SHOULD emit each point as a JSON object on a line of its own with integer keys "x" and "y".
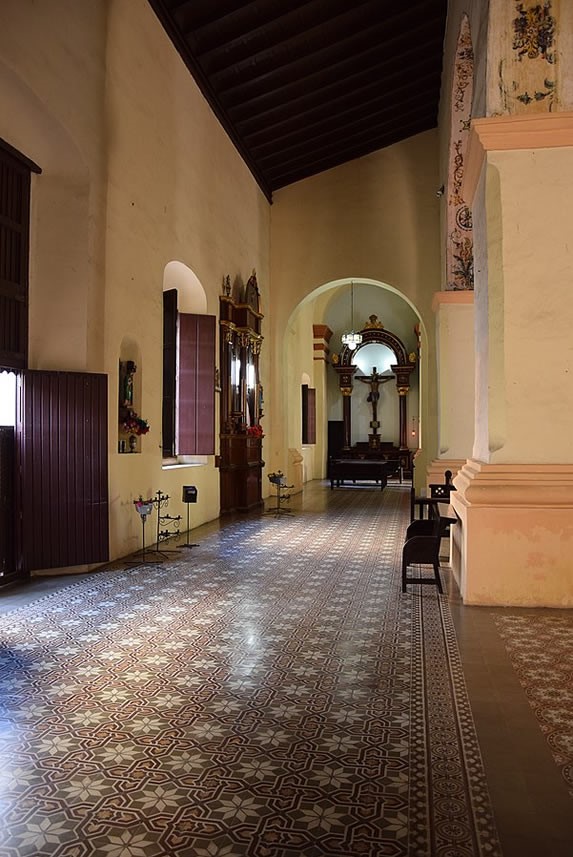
{"x": 374, "y": 380}
{"x": 129, "y": 370}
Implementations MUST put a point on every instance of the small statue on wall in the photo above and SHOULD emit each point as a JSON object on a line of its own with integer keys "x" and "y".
{"x": 127, "y": 370}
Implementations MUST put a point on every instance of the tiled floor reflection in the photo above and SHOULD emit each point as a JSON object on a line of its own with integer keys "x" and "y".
{"x": 271, "y": 693}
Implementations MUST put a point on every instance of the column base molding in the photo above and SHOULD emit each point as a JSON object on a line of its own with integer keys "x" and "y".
{"x": 436, "y": 469}
{"x": 513, "y": 543}
{"x": 536, "y": 485}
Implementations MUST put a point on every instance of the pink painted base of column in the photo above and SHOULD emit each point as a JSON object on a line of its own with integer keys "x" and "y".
{"x": 513, "y": 544}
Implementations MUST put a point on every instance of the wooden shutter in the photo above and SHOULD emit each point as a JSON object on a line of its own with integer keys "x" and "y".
{"x": 169, "y": 372}
{"x": 196, "y": 385}
{"x": 14, "y": 248}
{"x": 308, "y": 414}
{"x": 62, "y": 463}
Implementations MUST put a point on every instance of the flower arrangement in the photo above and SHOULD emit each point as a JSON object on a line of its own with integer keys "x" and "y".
{"x": 134, "y": 424}
{"x": 255, "y": 431}
{"x": 143, "y": 507}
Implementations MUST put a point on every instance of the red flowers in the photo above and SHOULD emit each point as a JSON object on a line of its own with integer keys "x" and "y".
{"x": 255, "y": 431}
{"x": 134, "y": 424}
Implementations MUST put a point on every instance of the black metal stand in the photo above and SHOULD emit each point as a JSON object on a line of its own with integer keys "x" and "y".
{"x": 188, "y": 544}
{"x": 277, "y": 479}
{"x": 141, "y": 558}
{"x": 169, "y": 522}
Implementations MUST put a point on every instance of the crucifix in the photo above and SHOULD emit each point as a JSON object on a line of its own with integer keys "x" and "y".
{"x": 374, "y": 380}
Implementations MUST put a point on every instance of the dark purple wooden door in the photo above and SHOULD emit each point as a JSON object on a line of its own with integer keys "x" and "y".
{"x": 62, "y": 468}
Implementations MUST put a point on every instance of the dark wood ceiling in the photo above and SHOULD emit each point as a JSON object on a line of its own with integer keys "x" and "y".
{"x": 304, "y": 85}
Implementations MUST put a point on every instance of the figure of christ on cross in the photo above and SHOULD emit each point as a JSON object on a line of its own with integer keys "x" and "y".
{"x": 375, "y": 379}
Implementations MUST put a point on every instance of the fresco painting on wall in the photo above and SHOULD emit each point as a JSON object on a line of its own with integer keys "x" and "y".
{"x": 459, "y": 259}
{"x": 533, "y": 84}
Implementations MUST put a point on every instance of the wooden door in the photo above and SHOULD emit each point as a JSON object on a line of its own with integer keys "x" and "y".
{"x": 62, "y": 470}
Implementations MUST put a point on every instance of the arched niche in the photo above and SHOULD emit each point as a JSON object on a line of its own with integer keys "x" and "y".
{"x": 401, "y": 369}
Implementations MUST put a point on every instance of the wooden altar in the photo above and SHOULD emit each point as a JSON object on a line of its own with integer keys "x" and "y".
{"x": 375, "y": 449}
{"x": 240, "y": 462}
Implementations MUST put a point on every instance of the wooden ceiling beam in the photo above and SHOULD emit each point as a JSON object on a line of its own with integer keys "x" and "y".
{"x": 325, "y": 140}
{"x": 287, "y": 174}
{"x": 321, "y": 103}
{"x": 306, "y": 135}
{"x": 315, "y": 48}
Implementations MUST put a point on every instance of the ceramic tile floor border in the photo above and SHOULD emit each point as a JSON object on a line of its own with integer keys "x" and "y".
{"x": 541, "y": 651}
{"x": 271, "y": 694}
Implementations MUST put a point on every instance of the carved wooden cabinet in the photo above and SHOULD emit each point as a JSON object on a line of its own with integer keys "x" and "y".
{"x": 241, "y": 438}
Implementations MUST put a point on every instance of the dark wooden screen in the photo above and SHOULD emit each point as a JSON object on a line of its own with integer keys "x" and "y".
{"x": 62, "y": 456}
{"x": 308, "y": 414}
{"x": 196, "y": 385}
{"x": 14, "y": 248}
{"x": 169, "y": 370}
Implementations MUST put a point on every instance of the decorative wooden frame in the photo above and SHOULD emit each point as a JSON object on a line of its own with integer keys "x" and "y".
{"x": 402, "y": 369}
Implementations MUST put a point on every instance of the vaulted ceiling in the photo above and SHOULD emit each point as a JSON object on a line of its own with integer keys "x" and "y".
{"x": 304, "y": 85}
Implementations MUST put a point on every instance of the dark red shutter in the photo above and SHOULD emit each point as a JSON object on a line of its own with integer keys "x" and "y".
{"x": 308, "y": 414}
{"x": 14, "y": 241}
{"x": 169, "y": 371}
{"x": 62, "y": 458}
{"x": 196, "y": 385}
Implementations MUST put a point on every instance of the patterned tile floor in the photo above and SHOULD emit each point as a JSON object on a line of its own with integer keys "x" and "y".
{"x": 270, "y": 693}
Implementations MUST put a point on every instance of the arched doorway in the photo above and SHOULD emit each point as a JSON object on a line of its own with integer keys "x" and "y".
{"x": 312, "y": 344}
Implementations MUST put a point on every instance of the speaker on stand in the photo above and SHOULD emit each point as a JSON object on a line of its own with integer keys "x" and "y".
{"x": 189, "y": 496}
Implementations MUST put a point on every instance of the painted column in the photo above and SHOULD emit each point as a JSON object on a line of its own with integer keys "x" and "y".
{"x": 515, "y": 495}
{"x": 345, "y": 376}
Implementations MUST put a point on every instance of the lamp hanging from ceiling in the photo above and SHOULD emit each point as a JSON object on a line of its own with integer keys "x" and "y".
{"x": 351, "y": 339}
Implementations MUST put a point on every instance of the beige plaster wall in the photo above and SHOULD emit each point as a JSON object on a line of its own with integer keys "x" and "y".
{"x": 52, "y": 89}
{"x": 533, "y": 369}
{"x": 298, "y": 357}
{"x": 374, "y": 218}
{"x": 456, "y": 372}
{"x": 178, "y": 190}
{"x": 137, "y": 172}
